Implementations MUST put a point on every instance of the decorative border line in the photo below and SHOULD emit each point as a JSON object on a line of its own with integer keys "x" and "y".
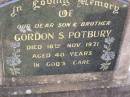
{"x": 7, "y": 3}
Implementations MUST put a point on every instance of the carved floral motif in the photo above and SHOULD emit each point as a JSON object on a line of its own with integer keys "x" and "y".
{"x": 107, "y": 55}
{"x": 14, "y": 60}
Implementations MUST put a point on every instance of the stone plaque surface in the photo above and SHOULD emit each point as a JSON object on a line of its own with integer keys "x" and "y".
{"x": 49, "y": 37}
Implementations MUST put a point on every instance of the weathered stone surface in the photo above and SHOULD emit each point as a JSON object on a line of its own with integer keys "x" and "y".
{"x": 97, "y": 92}
{"x": 116, "y": 88}
{"x": 124, "y": 59}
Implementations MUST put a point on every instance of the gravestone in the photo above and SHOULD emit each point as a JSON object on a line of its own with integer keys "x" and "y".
{"x": 45, "y": 38}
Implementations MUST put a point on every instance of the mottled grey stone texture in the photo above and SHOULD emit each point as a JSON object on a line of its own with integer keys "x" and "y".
{"x": 98, "y": 92}
{"x": 114, "y": 87}
{"x": 124, "y": 59}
